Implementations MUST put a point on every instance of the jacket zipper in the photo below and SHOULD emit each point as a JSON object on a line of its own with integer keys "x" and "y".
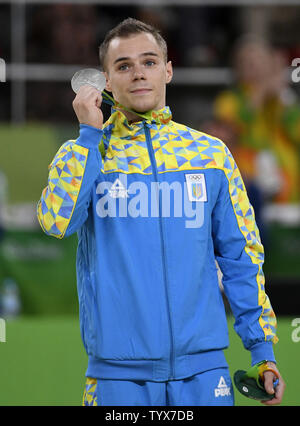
{"x": 154, "y": 168}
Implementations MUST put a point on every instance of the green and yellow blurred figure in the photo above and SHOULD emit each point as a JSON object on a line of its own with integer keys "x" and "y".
{"x": 262, "y": 116}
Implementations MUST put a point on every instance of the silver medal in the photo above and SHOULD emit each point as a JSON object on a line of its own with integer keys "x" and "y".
{"x": 89, "y": 76}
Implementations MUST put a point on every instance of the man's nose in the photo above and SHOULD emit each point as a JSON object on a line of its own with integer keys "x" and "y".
{"x": 138, "y": 73}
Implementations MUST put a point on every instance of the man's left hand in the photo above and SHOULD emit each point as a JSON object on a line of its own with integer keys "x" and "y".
{"x": 270, "y": 377}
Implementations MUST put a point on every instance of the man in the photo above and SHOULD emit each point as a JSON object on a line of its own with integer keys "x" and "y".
{"x": 263, "y": 113}
{"x": 151, "y": 312}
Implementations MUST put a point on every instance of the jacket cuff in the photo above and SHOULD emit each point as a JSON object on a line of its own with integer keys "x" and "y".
{"x": 262, "y": 351}
{"x": 89, "y": 136}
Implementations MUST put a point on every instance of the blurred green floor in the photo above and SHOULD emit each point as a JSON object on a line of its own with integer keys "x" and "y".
{"x": 43, "y": 362}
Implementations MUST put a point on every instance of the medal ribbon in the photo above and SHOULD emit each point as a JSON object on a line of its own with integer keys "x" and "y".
{"x": 109, "y": 100}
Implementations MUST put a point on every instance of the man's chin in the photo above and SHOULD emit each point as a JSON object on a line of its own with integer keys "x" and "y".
{"x": 141, "y": 110}
{"x": 143, "y": 107}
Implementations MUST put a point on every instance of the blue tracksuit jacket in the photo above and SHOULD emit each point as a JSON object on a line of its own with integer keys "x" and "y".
{"x": 153, "y": 215}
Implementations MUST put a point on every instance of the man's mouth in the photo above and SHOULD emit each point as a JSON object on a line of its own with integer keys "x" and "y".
{"x": 140, "y": 91}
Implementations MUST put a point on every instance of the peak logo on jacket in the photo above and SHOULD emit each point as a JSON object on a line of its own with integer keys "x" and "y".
{"x": 118, "y": 190}
{"x": 159, "y": 199}
{"x": 222, "y": 389}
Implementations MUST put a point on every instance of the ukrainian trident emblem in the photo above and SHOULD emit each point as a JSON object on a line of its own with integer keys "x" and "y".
{"x": 197, "y": 190}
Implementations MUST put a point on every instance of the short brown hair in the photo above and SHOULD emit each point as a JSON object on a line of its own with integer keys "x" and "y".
{"x": 127, "y": 28}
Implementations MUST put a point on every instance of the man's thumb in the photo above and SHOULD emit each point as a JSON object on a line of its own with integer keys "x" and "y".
{"x": 269, "y": 382}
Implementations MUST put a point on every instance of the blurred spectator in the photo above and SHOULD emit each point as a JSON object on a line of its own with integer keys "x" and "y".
{"x": 264, "y": 115}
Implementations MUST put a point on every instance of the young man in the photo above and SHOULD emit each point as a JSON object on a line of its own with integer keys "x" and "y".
{"x": 152, "y": 216}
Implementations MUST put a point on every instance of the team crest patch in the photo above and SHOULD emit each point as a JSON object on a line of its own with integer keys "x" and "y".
{"x": 196, "y": 187}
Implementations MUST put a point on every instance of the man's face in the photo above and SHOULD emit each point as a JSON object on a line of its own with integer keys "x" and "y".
{"x": 136, "y": 72}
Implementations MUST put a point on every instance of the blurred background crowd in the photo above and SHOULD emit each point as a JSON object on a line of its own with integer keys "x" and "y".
{"x": 232, "y": 79}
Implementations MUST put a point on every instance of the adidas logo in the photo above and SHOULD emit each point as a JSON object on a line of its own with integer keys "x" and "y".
{"x": 118, "y": 190}
{"x": 222, "y": 389}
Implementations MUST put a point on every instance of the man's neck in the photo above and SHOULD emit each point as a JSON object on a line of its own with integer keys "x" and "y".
{"x": 131, "y": 116}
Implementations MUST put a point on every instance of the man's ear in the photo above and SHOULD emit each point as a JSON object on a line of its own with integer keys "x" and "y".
{"x": 107, "y": 86}
{"x": 169, "y": 72}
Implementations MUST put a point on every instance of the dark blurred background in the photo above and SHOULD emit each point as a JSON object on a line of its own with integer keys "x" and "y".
{"x": 232, "y": 79}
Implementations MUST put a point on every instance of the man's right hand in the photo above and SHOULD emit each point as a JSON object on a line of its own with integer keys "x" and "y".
{"x": 87, "y": 105}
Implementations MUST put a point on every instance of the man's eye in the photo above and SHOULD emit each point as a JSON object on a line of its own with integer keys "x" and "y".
{"x": 123, "y": 67}
{"x": 149, "y": 63}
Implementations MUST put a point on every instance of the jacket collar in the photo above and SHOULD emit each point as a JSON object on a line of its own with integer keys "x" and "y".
{"x": 118, "y": 118}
